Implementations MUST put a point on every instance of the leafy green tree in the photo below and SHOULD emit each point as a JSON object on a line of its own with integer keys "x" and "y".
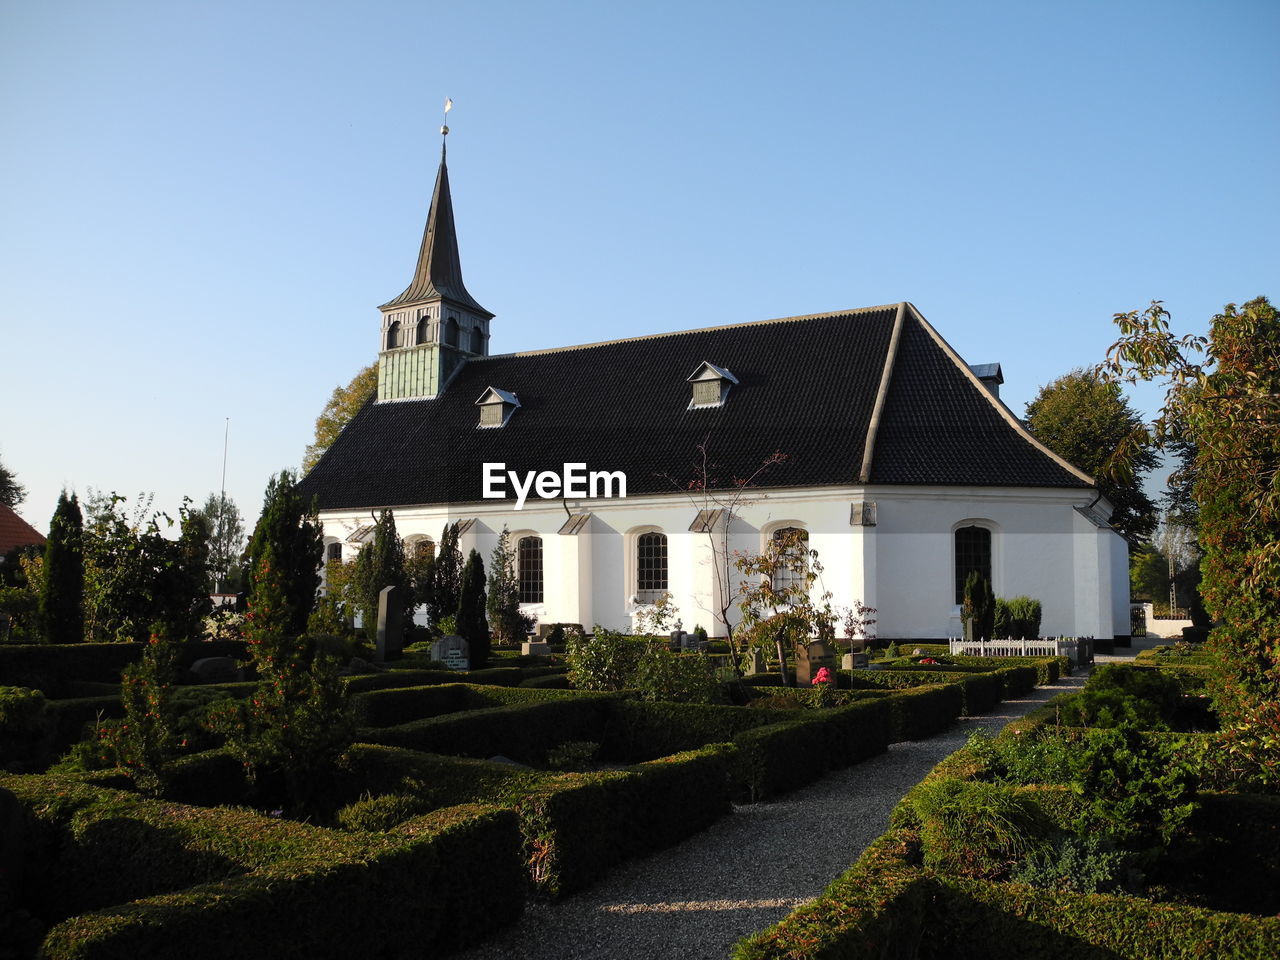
{"x": 146, "y": 740}
{"x": 344, "y": 403}
{"x": 1227, "y": 408}
{"x": 447, "y": 585}
{"x": 135, "y": 576}
{"x": 1087, "y": 421}
{"x": 62, "y": 599}
{"x": 506, "y": 621}
{"x": 471, "y": 622}
{"x": 289, "y": 526}
{"x": 776, "y": 597}
{"x": 226, "y": 542}
{"x": 1149, "y": 576}
{"x": 12, "y": 492}
{"x": 379, "y": 565}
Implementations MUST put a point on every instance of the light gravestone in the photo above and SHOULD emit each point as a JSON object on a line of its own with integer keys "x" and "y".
{"x": 453, "y": 652}
{"x": 812, "y": 657}
{"x": 390, "y": 624}
{"x": 756, "y": 664}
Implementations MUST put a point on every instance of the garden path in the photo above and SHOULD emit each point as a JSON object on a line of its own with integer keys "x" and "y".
{"x": 696, "y": 900}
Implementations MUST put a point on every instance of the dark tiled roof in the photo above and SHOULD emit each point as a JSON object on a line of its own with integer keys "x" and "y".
{"x": 807, "y": 388}
{"x": 15, "y": 532}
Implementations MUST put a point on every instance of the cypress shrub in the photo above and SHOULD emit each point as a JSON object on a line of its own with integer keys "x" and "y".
{"x": 62, "y": 593}
{"x": 472, "y": 625}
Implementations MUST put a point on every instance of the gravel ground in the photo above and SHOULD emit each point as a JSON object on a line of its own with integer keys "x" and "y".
{"x": 748, "y": 870}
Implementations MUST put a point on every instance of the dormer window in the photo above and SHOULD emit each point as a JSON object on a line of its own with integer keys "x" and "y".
{"x": 496, "y": 407}
{"x": 710, "y": 385}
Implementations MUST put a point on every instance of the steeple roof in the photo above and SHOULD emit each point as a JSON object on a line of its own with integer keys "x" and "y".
{"x": 439, "y": 272}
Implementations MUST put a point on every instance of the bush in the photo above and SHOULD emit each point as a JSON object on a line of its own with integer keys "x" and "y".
{"x": 1071, "y": 864}
{"x": 920, "y": 712}
{"x": 382, "y": 813}
{"x": 682, "y": 677}
{"x": 604, "y": 661}
{"x": 26, "y": 727}
{"x": 975, "y": 829}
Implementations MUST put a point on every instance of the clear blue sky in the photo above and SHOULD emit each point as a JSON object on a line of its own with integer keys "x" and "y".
{"x": 203, "y": 202}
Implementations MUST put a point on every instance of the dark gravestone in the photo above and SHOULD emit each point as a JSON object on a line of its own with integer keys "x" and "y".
{"x": 755, "y": 663}
{"x": 390, "y": 624}
{"x": 812, "y": 657}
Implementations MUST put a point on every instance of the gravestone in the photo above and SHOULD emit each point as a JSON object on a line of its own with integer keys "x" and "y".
{"x": 812, "y": 657}
{"x": 390, "y": 624}
{"x": 535, "y": 648}
{"x": 756, "y": 664}
{"x": 453, "y": 652}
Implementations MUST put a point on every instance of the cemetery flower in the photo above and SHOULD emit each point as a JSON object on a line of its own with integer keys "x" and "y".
{"x": 822, "y": 676}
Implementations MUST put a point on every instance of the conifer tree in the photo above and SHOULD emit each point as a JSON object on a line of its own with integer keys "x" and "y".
{"x": 379, "y": 565}
{"x": 448, "y": 575}
{"x": 62, "y": 595}
{"x": 296, "y": 723}
{"x": 472, "y": 625}
{"x": 504, "y": 593}
{"x": 291, "y": 529}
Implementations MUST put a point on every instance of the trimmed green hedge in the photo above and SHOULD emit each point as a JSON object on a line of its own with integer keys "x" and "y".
{"x": 524, "y": 732}
{"x": 384, "y": 708}
{"x": 979, "y": 691}
{"x": 920, "y": 712}
{"x": 885, "y": 907}
{"x": 50, "y": 667}
{"x": 876, "y": 909}
{"x": 261, "y": 885}
{"x": 579, "y": 825}
{"x": 983, "y": 920}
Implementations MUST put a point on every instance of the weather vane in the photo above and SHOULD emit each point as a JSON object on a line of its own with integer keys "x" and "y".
{"x": 444, "y": 127}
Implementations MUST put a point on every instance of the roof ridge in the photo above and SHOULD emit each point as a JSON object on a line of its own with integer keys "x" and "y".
{"x": 996, "y": 402}
{"x": 873, "y": 425}
{"x": 676, "y": 333}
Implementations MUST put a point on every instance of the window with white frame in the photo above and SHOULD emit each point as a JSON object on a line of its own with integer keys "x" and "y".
{"x": 651, "y": 566}
{"x": 529, "y": 569}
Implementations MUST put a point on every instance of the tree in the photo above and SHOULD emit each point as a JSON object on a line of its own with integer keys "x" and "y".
{"x": 447, "y": 573}
{"x": 292, "y": 530}
{"x": 506, "y": 622}
{"x": 1087, "y": 421}
{"x": 1149, "y": 575}
{"x": 379, "y": 565}
{"x": 978, "y": 611}
{"x": 297, "y": 722}
{"x": 472, "y": 625}
{"x": 62, "y": 596}
{"x": 344, "y": 403}
{"x": 136, "y": 577}
{"x": 719, "y": 504}
{"x": 226, "y": 542}
{"x": 1228, "y": 408}
{"x": 12, "y": 492}
{"x": 776, "y": 599}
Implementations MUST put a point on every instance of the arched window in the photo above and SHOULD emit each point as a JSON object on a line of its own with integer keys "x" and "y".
{"x": 973, "y": 552}
{"x": 651, "y": 566}
{"x": 393, "y": 335}
{"x": 451, "y": 332}
{"x": 529, "y": 569}
{"x": 788, "y": 578}
{"x": 477, "y": 340}
{"x": 422, "y": 330}
{"x": 424, "y": 549}
{"x": 333, "y": 551}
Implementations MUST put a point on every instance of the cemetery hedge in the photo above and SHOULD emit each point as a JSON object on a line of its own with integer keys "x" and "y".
{"x": 263, "y": 887}
{"x": 53, "y": 667}
{"x": 979, "y": 691}
{"x": 395, "y": 705}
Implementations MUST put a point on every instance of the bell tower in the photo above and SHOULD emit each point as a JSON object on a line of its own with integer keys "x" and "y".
{"x": 435, "y": 325}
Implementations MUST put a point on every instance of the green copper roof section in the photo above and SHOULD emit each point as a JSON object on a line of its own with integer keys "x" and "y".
{"x": 439, "y": 272}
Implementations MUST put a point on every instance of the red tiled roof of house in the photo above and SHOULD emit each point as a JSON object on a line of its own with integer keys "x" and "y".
{"x": 16, "y": 532}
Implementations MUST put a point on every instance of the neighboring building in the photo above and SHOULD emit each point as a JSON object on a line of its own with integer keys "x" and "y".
{"x": 16, "y": 532}
{"x": 903, "y": 468}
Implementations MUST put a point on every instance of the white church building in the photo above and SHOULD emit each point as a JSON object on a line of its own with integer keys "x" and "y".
{"x": 899, "y": 463}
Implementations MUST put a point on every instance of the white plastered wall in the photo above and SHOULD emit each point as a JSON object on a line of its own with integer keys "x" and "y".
{"x": 903, "y": 566}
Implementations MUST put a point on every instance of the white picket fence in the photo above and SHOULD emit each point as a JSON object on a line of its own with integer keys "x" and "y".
{"x": 1079, "y": 649}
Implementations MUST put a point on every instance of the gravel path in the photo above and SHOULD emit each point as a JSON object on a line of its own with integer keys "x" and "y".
{"x": 748, "y": 870}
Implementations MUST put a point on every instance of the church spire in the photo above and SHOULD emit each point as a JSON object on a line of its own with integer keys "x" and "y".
{"x": 435, "y": 326}
{"x": 439, "y": 272}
